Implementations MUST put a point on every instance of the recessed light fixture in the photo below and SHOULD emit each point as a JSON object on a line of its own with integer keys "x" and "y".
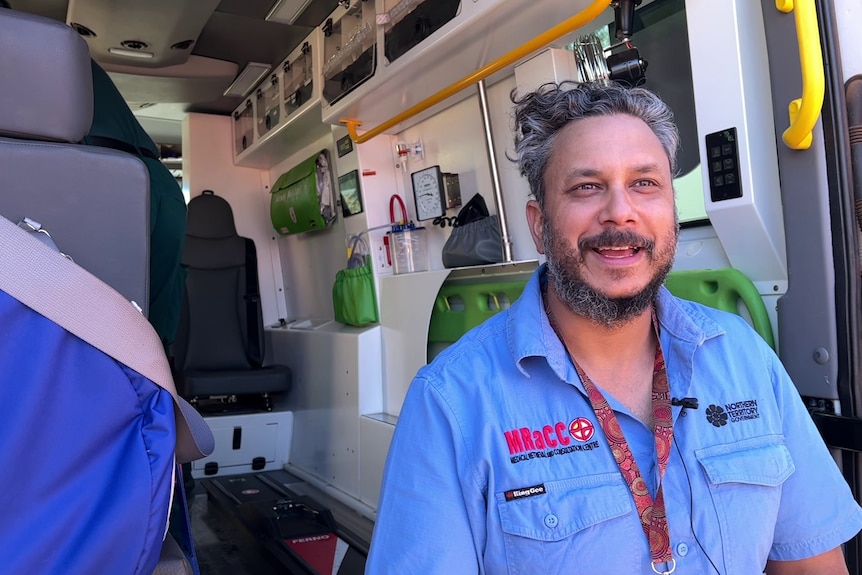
{"x": 83, "y": 30}
{"x": 184, "y": 45}
{"x": 287, "y": 11}
{"x": 134, "y": 44}
{"x": 247, "y": 79}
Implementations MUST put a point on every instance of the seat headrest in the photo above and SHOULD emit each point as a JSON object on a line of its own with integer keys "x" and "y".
{"x": 210, "y": 216}
{"x": 47, "y": 91}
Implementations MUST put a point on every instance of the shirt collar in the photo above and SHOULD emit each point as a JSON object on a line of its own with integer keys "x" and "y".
{"x": 680, "y": 321}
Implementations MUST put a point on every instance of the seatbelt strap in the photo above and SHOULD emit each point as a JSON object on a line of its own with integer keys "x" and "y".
{"x": 65, "y": 293}
{"x": 181, "y": 525}
{"x": 252, "y": 303}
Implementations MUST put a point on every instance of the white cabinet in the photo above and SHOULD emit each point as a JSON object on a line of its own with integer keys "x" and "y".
{"x": 247, "y": 442}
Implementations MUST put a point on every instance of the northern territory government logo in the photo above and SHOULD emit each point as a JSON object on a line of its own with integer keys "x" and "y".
{"x": 735, "y": 412}
{"x": 560, "y": 438}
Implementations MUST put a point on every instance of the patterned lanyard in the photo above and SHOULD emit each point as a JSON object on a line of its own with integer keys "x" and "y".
{"x": 652, "y": 513}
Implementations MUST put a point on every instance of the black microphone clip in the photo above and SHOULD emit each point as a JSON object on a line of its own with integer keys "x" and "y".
{"x": 685, "y": 402}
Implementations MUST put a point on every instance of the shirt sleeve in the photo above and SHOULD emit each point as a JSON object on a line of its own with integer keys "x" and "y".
{"x": 427, "y": 499}
{"x": 818, "y": 511}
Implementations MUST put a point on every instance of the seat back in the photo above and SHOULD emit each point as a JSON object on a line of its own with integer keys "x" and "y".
{"x": 221, "y": 326}
{"x": 90, "y": 443}
{"x": 93, "y": 201}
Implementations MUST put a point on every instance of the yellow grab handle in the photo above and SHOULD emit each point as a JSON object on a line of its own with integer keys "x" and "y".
{"x": 583, "y": 17}
{"x": 804, "y": 111}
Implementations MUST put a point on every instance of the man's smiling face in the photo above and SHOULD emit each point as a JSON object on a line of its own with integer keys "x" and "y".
{"x": 608, "y": 225}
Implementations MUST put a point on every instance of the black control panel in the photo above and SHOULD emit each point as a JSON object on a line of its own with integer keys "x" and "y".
{"x": 722, "y": 157}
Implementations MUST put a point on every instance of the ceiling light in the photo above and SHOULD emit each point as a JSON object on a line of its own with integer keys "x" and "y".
{"x": 130, "y": 53}
{"x": 247, "y": 79}
{"x": 287, "y": 11}
{"x": 83, "y": 30}
{"x": 134, "y": 44}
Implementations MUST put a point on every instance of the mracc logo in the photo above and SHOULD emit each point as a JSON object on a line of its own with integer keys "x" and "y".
{"x": 526, "y": 443}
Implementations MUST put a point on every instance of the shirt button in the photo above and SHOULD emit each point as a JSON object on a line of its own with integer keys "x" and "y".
{"x": 551, "y": 520}
{"x": 682, "y": 549}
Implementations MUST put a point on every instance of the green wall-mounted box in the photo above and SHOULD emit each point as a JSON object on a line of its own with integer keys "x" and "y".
{"x": 302, "y": 198}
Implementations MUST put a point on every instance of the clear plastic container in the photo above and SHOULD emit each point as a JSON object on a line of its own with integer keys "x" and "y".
{"x": 349, "y": 54}
{"x": 298, "y": 80}
{"x": 406, "y": 23}
{"x": 409, "y": 250}
{"x": 268, "y": 105}
{"x": 243, "y": 127}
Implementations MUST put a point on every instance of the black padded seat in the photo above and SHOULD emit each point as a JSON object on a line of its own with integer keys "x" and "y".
{"x": 220, "y": 342}
{"x": 269, "y": 379}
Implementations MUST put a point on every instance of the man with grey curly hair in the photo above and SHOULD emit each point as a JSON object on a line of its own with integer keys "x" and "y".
{"x": 566, "y": 434}
{"x": 547, "y": 119}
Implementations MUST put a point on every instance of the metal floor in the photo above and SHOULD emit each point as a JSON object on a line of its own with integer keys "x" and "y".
{"x": 224, "y": 547}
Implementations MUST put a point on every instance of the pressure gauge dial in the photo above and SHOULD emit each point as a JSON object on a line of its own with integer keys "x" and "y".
{"x": 428, "y": 193}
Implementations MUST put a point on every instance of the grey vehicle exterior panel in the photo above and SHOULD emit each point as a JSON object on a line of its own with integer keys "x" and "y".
{"x": 806, "y": 313}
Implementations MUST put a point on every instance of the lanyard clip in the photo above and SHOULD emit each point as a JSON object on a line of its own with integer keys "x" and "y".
{"x": 672, "y": 564}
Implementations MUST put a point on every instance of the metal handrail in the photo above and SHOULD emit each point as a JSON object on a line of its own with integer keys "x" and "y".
{"x": 583, "y": 17}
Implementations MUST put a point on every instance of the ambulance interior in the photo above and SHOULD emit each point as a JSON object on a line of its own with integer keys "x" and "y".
{"x": 246, "y": 96}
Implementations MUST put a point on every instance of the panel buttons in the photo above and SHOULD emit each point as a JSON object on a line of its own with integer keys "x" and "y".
{"x": 551, "y": 520}
{"x": 724, "y": 180}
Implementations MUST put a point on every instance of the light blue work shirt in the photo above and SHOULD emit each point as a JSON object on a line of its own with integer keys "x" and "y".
{"x": 499, "y": 466}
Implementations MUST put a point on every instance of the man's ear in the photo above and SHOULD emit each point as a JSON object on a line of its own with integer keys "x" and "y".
{"x": 536, "y": 221}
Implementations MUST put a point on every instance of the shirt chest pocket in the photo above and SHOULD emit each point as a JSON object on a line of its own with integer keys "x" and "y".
{"x": 745, "y": 479}
{"x": 567, "y": 528}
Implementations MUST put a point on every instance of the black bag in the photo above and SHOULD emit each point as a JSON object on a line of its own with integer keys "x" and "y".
{"x": 475, "y": 239}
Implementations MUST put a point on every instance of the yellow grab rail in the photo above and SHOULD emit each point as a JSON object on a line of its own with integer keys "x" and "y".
{"x": 804, "y": 111}
{"x": 583, "y": 17}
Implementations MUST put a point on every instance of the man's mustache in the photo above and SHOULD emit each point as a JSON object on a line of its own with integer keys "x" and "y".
{"x": 616, "y": 239}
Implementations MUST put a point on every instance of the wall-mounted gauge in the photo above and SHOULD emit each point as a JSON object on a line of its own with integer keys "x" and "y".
{"x": 428, "y": 192}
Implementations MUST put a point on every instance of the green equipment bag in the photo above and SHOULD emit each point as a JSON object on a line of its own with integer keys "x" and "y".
{"x": 353, "y": 297}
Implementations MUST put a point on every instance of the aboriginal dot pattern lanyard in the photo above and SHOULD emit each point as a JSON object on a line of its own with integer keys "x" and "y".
{"x": 652, "y": 512}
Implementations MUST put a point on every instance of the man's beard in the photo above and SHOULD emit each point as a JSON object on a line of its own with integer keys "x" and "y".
{"x": 565, "y": 265}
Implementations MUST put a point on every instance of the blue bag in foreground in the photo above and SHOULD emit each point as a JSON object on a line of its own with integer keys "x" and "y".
{"x": 91, "y": 421}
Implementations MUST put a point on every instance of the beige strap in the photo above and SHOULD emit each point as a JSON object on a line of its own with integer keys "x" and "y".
{"x": 62, "y": 291}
